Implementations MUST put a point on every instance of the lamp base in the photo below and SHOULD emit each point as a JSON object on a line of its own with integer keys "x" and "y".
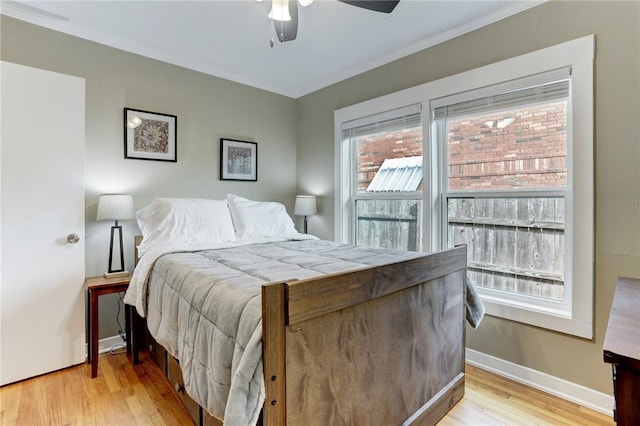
{"x": 117, "y": 229}
{"x": 120, "y": 274}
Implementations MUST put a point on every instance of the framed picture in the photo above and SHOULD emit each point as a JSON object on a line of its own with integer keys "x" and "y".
{"x": 150, "y": 135}
{"x": 238, "y": 160}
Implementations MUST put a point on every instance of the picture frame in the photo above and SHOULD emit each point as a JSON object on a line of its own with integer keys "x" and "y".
{"x": 238, "y": 160}
{"x": 150, "y": 135}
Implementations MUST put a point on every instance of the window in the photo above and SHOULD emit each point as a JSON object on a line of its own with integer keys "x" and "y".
{"x": 507, "y": 156}
{"x": 505, "y": 185}
{"x": 386, "y": 179}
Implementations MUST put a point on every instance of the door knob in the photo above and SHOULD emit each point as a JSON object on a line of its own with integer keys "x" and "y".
{"x": 73, "y": 238}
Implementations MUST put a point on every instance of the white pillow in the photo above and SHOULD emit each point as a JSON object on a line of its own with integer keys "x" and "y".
{"x": 184, "y": 221}
{"x": 255, "y": 219}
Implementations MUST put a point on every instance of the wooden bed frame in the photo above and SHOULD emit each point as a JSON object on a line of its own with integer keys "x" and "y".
{"x": 378, "y": 345}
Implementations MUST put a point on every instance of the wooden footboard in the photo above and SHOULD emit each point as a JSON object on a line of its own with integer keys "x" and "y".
{"x": 383, "y": 345}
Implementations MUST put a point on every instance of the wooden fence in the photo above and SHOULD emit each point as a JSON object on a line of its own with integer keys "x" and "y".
{"x": 392, "y": 224}
{"x": 513, "y": 244}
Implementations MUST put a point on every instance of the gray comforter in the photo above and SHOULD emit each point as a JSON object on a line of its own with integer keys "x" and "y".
{"x": 205, "y": 308}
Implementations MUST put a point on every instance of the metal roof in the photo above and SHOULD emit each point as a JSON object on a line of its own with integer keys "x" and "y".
{"x": 397, "y": 174}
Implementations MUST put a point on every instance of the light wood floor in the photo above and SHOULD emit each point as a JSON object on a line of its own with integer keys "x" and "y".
{"x": 126, "y": 395}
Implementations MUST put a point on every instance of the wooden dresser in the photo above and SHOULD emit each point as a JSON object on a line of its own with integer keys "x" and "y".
{"x": 622, "y": 350}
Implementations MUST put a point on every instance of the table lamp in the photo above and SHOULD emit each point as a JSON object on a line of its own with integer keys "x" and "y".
{"x": 115, "y": 207}
{"x": 305, "y": 206}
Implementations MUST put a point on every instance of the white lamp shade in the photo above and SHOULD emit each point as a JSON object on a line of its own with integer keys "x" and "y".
{"x": 305, "y": 205}
{"x": 115, "y": 207}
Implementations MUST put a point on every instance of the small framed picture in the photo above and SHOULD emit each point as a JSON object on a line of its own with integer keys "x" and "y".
{"x": 150, "y": 135}
{"x": 238, "y": 160}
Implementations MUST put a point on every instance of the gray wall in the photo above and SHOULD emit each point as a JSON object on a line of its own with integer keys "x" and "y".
{"x": 208, "y": 108}
{"x": 617, "y": 153}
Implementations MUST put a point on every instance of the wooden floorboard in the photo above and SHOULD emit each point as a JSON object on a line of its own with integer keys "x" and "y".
{"x": 495, "y": 401}
{"x": 124, "y": 394}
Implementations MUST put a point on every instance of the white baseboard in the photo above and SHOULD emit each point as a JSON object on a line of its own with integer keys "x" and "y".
{"x": 561, "y": 388}
{"x": 105, "y": 345}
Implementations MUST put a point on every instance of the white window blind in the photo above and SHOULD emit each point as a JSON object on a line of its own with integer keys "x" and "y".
{"x": 387, "y": 121}
{"x": 541, "y": 88}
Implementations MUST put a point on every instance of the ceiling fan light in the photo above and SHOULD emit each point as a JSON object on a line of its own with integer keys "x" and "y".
{"x": 280, "y": 10}
{"x": 305, "y": 3}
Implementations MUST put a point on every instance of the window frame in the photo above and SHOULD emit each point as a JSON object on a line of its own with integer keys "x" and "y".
{"x": 578, "y": 54}
{"x": 397, "y": 104}
{"x": 558, "y": 308}
{"x": 357, "y": 195}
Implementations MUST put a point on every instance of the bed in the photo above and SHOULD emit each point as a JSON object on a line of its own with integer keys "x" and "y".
{"x": 271, "y": 326}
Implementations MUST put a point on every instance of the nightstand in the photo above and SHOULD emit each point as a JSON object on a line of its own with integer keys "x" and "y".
{"x": 96, "y": 287}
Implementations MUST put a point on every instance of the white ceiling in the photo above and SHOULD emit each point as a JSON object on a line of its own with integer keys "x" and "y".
{"x": 230, "y": 38}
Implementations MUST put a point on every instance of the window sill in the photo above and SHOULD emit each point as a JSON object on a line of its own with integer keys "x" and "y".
{"x": 556, "y": 318}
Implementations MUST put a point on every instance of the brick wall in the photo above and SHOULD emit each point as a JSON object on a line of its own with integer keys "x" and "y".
{"x": 373, "y": 150}
{"x": 529, "y": 152}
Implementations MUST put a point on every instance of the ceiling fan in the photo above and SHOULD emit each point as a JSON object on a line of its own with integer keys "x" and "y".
{"x": 284, "y": 14}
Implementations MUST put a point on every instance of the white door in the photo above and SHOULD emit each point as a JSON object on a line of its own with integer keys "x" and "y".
{"x": 42, "y": 299}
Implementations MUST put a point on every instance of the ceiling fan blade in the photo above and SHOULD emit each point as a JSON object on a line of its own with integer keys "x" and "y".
{"x": 384, "y": 6}
{"x": 288, "y": 30}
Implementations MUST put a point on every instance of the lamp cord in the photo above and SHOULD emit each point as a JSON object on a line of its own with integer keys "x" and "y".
{"x": 120, "y": 332}
{"x": 119, "y": 347}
